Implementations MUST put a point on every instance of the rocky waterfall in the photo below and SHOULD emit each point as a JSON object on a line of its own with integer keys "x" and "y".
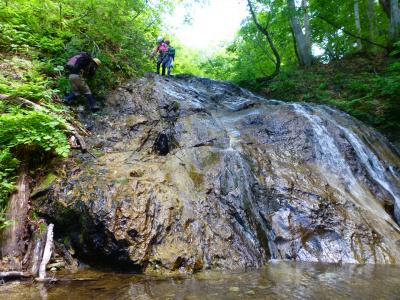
{"x": 185, "y": 174}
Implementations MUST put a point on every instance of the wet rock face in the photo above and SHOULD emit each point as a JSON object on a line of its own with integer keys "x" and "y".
{"x": 193, "y": 174}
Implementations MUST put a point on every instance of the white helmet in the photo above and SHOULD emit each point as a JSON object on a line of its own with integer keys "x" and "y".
{"x": 160, "y": 39}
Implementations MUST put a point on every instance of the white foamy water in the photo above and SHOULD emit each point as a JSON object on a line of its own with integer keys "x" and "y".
{"x": 373, "y": 165}
{"x": 336, "y": 166}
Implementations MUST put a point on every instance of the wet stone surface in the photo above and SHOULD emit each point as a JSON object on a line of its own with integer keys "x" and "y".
{"x": 194, "y": 174}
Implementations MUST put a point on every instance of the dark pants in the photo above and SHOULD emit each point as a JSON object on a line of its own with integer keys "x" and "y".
{"x": 91, "y": 101}
{"x": 162, "y": 60}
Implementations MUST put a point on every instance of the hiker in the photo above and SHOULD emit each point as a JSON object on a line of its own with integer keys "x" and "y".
{"x": 162, "y": 51}
{"x": 80, "y": 67}
{"x": 171, "y": 57}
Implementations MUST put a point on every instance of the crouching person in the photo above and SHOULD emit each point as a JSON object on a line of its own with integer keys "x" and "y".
{"x": 80, "y": 67}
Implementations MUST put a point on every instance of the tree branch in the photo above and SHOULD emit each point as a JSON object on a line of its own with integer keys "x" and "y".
{"x": 350, "y": 33}
{"x": 270, "y": 41}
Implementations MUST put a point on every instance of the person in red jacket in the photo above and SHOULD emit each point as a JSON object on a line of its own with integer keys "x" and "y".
{"x": 162, "y": 59}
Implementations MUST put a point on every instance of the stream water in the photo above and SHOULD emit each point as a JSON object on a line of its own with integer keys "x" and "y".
{"x": 281, "y": 280}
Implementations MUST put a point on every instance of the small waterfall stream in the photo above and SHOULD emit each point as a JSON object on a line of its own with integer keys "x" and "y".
{"x": 335, "y": 163}
{"x": 373, "y": 165}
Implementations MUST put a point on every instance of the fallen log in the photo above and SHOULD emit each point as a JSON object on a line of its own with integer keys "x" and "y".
{"x": 14, "y": 275}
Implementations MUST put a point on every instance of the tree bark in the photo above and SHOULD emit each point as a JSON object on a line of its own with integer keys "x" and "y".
{"x": 385, "y": 6}
{"x": 17, "y": 211}
{"x": 270, "y": 41}
{"x": 295, "y": 44}
{"x": 302, "y": 49}
{"x": 394, "y": 29}
{"x": 307, "y": 27}
{"x": 372, "y": 19}
{"x": 358, "y": 23}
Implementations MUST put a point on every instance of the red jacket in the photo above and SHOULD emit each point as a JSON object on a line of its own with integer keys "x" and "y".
{"x": 162, "y": 48}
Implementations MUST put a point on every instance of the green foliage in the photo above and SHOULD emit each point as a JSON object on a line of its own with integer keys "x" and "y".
{"x": 187, "y": 61}
{"x": 220, "y": 66}
{"x": 37, "y": 37}
{"x": 366, "y": 88}
{"x": 33, "y": 129}
{"x": 120, "y": 33}
{"x": 363, "y": 83}
{"x": 26, "y": 136}
{"x": 21, "y": 78}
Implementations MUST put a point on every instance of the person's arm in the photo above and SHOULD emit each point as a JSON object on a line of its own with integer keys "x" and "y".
{"x": 154, "y": 52}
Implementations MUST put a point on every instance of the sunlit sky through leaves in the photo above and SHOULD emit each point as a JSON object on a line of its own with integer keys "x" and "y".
{"x": 212, "y": 25}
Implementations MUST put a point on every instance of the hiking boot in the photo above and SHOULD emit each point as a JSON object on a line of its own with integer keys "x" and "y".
{"x": 68, "y": 98}
{"x": 92, "y": 103}
{"x": 95, "y": 108}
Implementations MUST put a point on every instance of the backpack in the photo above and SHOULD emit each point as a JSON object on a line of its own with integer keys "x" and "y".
{"x": 73, "y": 61}
{"x": 171, "y": 51}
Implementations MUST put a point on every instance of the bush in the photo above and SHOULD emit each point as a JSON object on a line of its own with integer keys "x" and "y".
{"x": 26, "y": 136}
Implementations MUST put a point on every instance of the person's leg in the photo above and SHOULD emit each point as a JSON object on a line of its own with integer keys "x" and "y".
{"x": 69, "y": 97}
{"x": 74, "y": 82}
{"x": 159, "y": 61}
{"x": 170, "y": 64}
{"x": 164, "y": 64}
{"x": 92, "y": 103}
{"x": 84, "y": 89}
{"x": 158, "y": 67}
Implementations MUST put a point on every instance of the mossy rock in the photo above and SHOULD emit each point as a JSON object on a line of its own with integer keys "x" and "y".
{"x": 44, "y": 186}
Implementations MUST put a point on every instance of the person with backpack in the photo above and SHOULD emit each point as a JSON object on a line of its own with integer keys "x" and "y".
{"x": 171, "y": 57}
{"x": 162, "y": 50}
{"x": 80, "y": 67}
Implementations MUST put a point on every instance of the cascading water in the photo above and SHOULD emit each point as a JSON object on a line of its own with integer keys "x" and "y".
{"x": 374, "y": 166}
{"x": 243, "y": 174}
{"x": 335, "y": 163}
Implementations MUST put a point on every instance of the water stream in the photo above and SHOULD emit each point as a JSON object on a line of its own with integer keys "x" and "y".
{"x": 335, "y": 163}
{"x": 280, "y": 280}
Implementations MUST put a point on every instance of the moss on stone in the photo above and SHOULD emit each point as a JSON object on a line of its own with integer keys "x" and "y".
{"x": 44, "y": 185}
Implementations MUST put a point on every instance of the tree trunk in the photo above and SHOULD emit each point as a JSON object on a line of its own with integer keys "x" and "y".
{"x": 372, "y": 19}
{"x": 394, "y": 29}
{"x": 307, "y": 28}
{"x": 385, "y": 6}
{"x": 358, "y": 23}
{"x": 295, "y": 44}
{"x": 301, "y": 41}
{"x": 14, "y": 236}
